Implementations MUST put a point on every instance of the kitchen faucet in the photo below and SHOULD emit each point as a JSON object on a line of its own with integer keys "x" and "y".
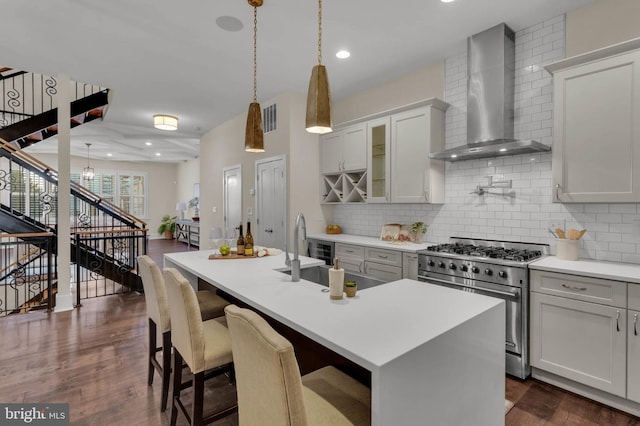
{"x": 295, "y": 263}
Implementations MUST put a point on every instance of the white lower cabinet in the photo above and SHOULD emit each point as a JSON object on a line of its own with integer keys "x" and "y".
{"x": 374, "y": 262}
{"x": 633, "y": 356}
{"x": 410, "y": 266}
{"x": 582, "y": 341}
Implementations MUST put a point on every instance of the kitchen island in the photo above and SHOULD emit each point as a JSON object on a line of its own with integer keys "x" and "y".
{"x": 436, "y": 355}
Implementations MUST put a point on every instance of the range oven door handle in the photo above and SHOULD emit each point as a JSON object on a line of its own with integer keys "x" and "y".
{"x": 452, "y": 284}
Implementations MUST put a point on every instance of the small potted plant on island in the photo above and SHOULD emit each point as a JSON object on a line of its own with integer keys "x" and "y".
{"x": 350, "y": 287}
{"x": 167, "y": 226}
{"x": 418, "y": 229}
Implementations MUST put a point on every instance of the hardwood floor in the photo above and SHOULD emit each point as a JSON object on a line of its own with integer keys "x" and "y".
{"x": 94, "y": 358}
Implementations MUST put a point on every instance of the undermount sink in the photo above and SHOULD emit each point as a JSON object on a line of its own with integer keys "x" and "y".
{"x": 320, "y": 275}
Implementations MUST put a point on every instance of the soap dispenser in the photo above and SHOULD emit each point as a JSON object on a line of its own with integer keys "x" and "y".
{"x": 336, "y": 280}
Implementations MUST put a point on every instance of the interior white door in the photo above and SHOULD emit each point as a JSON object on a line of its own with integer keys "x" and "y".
{"x": 232, "y": 198}
{"x": 271, "y": 206}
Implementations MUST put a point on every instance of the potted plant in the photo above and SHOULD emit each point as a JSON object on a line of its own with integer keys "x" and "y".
{"x": 350, "y": 287}
{"x": 167, "y": 226}
{"x": 418, "y": 229}
{"x": 195, "y": 203}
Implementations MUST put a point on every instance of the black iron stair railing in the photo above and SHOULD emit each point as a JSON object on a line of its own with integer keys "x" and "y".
{"x": 28, "y": 106}
{"x": 105, "y": 239}
{"x": 27, "y": 271}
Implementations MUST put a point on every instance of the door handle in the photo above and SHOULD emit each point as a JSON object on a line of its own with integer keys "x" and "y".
{"x": 617, "y": 320}
{"x": 635, "y": 324}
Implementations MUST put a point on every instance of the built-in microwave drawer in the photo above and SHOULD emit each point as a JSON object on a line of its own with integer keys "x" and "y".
{"x": 387, "y": 257}
{"x": 634, "y": 296}
{"x": 596, "y": 290}
{"x": 349, "y": 250}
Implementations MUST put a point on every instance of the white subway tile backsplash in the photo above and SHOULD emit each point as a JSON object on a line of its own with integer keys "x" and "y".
{"x": 525, "y": 216}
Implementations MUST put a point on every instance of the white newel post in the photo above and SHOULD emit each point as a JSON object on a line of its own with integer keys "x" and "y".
{"x": 64, "y": 299}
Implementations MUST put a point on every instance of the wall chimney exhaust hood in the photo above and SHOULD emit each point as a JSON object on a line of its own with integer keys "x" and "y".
{"x": 490, "y": 87}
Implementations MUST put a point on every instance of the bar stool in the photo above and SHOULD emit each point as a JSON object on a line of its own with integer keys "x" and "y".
{"x": 205, "y": 346}
{"x": 270, "y": 389}
{"x": 155, "y": 295}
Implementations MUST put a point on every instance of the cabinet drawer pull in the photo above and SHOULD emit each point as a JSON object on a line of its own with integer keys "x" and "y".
{"x": 635, "y": 324}
{"x": 617, "y": 320}
{"x": 557, "y": 189}
{"x": 348, "y": 251}
{"x": 574, "y": 288}
{"x": 381, "y": 256}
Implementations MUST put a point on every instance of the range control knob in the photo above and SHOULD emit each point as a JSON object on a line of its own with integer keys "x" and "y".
{"x": 464, "y": 268}
{"x": 475, "y": 269}
{"x": 502, "y": 274}
{"x": 488, "y": 271}
{"x": 441, "y": 264}
{"x": 430, "y": 263}
{"x": 452, "y": 266}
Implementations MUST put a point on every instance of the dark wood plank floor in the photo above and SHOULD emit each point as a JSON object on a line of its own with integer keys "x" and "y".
{"x": 94, "y": 358}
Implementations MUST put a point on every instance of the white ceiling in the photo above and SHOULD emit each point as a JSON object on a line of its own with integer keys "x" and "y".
{"x": 167, "y": 56}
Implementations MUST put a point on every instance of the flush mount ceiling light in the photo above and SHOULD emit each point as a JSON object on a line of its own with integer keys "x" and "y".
{"x": 343, "y": 54}
{"x": 87, "y": 172}
{"x": 319, "y": 97}
{"x": 165, "y": 122}
{"x": 254, "y": 135}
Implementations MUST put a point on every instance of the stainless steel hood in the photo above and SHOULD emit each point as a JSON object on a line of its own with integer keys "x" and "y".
{"x": 490, "y": 87}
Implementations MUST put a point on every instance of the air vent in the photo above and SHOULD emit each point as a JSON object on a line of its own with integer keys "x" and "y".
{"x": 269, "y": 118}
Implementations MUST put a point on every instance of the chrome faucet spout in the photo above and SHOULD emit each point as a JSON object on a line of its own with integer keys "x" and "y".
{"x": 295, "y": 263}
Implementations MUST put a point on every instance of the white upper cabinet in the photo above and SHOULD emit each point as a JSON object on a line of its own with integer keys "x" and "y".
{"x": 596, "y": 128}
{"x": 344, "y": 150}
{"x": 378, "y": 144}
{"x": 399, "y": 144}
{"x": 414, "y": 135}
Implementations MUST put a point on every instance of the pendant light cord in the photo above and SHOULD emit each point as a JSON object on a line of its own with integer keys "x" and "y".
{"x": 255, "y": 57}
{"x": 319, "y": 32}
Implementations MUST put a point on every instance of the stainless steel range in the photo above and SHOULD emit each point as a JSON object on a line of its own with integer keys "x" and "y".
{"x": 493, "y": 268}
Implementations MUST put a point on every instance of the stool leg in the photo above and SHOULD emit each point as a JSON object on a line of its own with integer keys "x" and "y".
{"x": 152, "y": 350}
{"x": 198, "y": 399}
{"x": 177, "y": 383}
{"x": 166, "y": 368}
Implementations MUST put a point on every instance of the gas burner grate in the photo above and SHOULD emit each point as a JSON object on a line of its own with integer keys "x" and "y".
{"x": 518, "y": 255}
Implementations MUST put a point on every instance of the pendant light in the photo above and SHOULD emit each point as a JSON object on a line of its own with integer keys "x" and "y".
{"x": 87, "y": 172}
{"x": 254, "y": 136}
{"x": 319, "y": 96}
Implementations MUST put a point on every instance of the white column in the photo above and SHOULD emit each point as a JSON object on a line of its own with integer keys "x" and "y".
{"x": 64, "y": 299}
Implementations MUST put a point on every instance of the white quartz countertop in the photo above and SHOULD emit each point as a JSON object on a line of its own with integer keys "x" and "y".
{"x": 372, "y": 242}
{"x": 377, "y": 326}
{"x": 593, "y": 268}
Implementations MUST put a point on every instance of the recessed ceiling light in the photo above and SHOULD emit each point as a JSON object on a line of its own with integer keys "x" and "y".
{"x": 454, "y": 155}
{"x": 503, "y": 149}
{"x": 148, "y": 143}
{"x": 446, "y": 1}
{"x": 343, "y": 54}
{"x": 109, "y": 154}
{"x": 157, "y": 154}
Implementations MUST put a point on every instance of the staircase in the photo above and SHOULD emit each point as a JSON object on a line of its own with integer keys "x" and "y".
{"x": 105, "y": 240}
{"x": 28, "y": 108}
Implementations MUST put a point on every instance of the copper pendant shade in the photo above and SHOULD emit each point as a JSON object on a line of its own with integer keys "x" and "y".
{"x": 319, "y": 96}
{"x": 254, "y": 135}
{"x": 319, "y": 102}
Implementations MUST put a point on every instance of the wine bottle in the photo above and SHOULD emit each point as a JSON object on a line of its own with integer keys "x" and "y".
{"x": 248, "y": 241}
{"x": 240, "y": 243}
